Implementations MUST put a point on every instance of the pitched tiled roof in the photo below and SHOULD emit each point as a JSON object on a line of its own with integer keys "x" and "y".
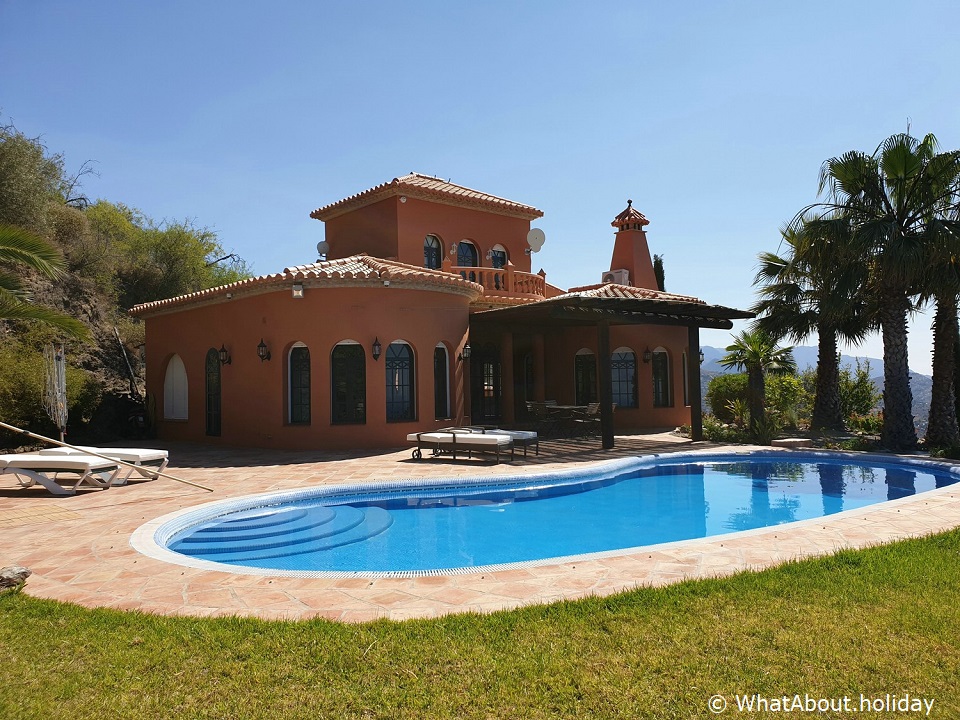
{"x": 434, "y": 189}
{"x": 612, "y": 290}
{"x": 357, "y": 270}
{"x": 630, "y": 216}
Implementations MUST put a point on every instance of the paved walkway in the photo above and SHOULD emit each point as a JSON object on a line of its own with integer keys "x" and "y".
{"x": 79, "y": 547}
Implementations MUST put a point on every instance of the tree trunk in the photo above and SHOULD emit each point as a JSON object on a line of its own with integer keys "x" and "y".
{"x": 898, "y": 431}
{"x": 942, "y": 426}
{"x": 756, "y": 388}
{"x": 826, "y": 404}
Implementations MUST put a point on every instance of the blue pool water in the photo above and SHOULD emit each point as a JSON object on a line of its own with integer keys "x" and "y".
{"x": 429, "y": 527}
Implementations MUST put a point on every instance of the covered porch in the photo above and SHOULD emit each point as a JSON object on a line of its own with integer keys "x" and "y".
{"x": 523, "y": 353}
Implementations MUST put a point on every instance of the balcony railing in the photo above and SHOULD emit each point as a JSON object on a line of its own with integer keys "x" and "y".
{"x": 504, "y": 282}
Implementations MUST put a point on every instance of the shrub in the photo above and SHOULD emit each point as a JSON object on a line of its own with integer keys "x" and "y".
{"x": 724, "y": 389}
{"x": 716, "y": 431}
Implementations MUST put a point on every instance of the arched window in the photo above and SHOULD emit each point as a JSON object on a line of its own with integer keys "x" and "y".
{"x": 623, "y": 374}
{"x": 299, "y": 374}
{"x": 212, "y": 373}
{"x": 399, "y": 365}
{"x": 441, "y": 382}
{"x": 467, "y": 254}
{"x": 175, "y": 390}
{"x": 348, "y": 380}
{"x": 662, "y": 397}
{"x": 585, "y": 377}
{"x": 498, "y": 257}
{"x": 431, "y": 252}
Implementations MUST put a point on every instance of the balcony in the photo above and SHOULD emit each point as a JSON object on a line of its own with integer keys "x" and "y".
{"x": 504, "y": 282}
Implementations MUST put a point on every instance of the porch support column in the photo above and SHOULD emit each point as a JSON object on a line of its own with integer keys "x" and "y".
{"x": 539, "y": 381}
{"x": 693, "y": 382}
{"x": 507, "y": 413}
{"x": 606, "y": 384}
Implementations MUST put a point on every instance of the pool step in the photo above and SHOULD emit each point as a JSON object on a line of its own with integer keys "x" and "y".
{"x": 279, "y": 522}
{"x": 317, "y": 529}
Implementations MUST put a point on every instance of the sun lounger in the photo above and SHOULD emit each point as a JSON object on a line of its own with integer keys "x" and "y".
{"x": 460, "y": 440}
{"x": 36, "y": 469}
{"x": 149, "y": 462}
{"x": 521, "y": 438}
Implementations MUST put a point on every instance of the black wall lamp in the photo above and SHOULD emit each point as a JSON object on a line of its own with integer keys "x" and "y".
{"x": 377, "y": 348}
{"x": 647, "y": 355}
{"x": 702, "y": 358}
{"x": 466, "y": 352}
{"x": 225, "y": 358}
{"x": 262, "y": 351}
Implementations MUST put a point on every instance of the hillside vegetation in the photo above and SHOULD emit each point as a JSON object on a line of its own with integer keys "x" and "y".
{"x": 115, "y": 257}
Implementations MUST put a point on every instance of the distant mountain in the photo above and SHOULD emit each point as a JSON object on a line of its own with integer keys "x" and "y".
{"x": 806, "y": 356}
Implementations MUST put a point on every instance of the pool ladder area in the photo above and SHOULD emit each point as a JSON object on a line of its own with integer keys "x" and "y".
{"x": 265, "y": 533}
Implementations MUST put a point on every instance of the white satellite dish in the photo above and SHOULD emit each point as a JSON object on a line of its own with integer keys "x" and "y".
{"x": 535, "y": 239}
{"x": 323, "y": 247}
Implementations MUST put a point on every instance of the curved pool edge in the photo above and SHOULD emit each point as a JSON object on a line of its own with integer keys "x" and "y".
{"x": 149, "y": 538}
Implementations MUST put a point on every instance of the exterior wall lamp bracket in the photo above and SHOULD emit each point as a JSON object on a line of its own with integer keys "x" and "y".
{"x": 225, "y": 358}
{"x": 262, "y": 352}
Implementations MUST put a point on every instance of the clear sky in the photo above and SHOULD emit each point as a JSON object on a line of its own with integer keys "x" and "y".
{"x": 713, "y": 117}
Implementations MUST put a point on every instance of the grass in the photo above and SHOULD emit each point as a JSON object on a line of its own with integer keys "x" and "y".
{"x": 876, "y": 621}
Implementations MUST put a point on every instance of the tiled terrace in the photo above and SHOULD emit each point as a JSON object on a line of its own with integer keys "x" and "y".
{"x": 79, "y": 547}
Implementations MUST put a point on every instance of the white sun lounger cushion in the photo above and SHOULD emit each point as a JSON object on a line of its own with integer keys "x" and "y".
{"x": 35, "y": 468}
{"x": 153, "y": 461}
{"x": 463, "y": 439}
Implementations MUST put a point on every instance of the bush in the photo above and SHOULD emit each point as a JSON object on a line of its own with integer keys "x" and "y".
{"x": 788, "y": 398}
{"x": 870, "y": 424}
{"x": 716, "y": 431}
{"x": 724, "y": 390}
{"x": 22, "y": 392}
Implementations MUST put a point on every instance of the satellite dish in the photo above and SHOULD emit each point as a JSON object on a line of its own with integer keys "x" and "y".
{"x": 323, "y": 247}
{"x": 535, "y": 239}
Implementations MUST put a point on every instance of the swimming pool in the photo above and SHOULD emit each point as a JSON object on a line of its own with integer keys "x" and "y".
{"x": 473, "y": 525}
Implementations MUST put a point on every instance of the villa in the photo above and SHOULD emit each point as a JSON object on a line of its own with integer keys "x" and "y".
{"x": 424, "y": 312}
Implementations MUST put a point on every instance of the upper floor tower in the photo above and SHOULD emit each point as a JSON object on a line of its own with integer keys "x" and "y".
{"x": 631, "y": 252}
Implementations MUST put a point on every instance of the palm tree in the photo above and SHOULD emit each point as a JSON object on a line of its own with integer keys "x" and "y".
{"x": 891, "y": 200}
{"x": 941, "y": 284}
{"x": 757, "y": 353}
{"x": 18, "y": 246}
{"x": 815, "y": 287}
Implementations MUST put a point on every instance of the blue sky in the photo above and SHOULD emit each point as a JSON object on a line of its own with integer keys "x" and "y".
{"x": 713, "y": 117}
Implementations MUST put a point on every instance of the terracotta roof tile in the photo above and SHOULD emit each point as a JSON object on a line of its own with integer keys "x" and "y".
{"x": 630, "y": 216}
{"x": 613, "y": 290}
{"x": 425, "y": 187}
{"x": 354, "y": 270}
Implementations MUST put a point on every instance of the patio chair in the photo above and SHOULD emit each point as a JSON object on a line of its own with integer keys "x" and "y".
{"x": 148, "y": 463}
{"x": 36, "y": 469}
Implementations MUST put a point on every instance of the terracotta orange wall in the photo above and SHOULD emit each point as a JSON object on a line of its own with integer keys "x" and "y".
{"x": 561, "y": 350}
{"x": 254, "y": 393}
{"x": 631, "y": 252}
{"x": 371, "y": 229}
{"x": 419, "y": 218}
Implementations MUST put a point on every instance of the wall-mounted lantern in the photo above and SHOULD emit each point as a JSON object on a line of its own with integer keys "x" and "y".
{"x": 262, "y": 352}
{"x": 466, "y": 352}
{"x": 647, "y": 355}
{"x": 377, "y": 348}
{"x": 225, "y": 358}
{"x": 298, "y": 291}
{"x": 702, "y": 358}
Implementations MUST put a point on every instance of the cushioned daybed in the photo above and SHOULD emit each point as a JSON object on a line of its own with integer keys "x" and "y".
{"x": 460, "y": 440}
{"x": 148, "y": 463}
{"x": 36, "y": 469}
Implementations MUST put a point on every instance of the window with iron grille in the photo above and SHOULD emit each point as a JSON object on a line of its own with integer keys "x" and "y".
{"x": 623, "y": 373}
{"x": 300, "y": 385}
{"x": 431, "y": 252}
{"x": 661, "y": 379}
{"x": 401, "y": 406}
{"x": 348, "y": 384}
{"x": 585, "y": 378}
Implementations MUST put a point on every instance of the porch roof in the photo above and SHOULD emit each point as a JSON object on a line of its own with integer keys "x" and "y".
{"x": 616, "y": 305}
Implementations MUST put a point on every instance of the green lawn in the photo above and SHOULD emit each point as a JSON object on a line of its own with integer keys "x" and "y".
{"x": 884, "y": 620}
